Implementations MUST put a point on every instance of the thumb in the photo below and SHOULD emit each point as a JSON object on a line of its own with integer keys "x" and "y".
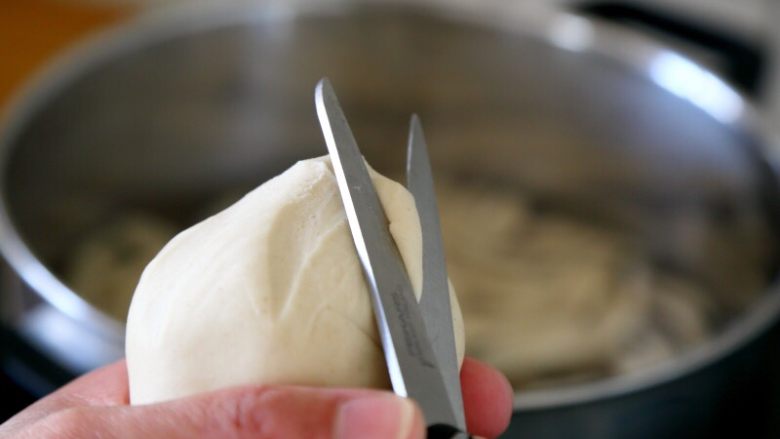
{"x": 259, "y": 412}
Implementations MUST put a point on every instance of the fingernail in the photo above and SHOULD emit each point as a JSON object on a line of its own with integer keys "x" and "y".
{"x": 381, "y": 417}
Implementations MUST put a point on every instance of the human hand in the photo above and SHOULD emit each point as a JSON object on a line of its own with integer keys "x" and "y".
{"x": 96, "y": 406}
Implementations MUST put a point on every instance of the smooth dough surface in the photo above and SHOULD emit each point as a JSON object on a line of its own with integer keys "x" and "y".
{"x": 268, "y": 291}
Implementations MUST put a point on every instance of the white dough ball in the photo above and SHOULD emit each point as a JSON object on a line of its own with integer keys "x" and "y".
{"x": 268, "y": 291}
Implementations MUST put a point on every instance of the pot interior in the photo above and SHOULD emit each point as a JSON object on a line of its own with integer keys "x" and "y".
{"x": 175, "y": 125}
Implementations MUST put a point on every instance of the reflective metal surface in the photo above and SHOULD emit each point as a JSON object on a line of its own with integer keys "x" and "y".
{"x": 176, "y": 109}
{"x": 411, "y": 360}
{"x": 435, "y": 304}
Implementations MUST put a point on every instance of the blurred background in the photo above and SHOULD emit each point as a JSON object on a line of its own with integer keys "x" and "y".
{"x": 606, "y": 173}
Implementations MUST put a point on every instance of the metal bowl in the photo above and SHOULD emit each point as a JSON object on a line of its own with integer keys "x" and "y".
{"x": 175, "y": 108}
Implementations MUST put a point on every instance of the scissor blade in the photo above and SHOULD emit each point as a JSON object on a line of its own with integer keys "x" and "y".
{"x": 408, "y": 352}
{"x": 435, "y": 304}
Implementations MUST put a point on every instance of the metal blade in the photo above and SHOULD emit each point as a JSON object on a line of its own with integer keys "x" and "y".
{"x": 435, "y": 304}
{"x": 408, "y": 352}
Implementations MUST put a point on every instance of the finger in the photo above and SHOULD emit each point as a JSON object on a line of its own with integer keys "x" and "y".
{"x": 487, "y": 398}
{"x": 104, "y": 386}
{"x": 264, "y": 412}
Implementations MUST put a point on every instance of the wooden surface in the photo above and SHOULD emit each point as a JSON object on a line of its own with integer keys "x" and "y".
{"x": 32, "y": 31}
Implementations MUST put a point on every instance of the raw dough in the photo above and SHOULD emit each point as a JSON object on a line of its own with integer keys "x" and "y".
{"x": 552, "y": 300}
{"x": 105, "y": 267}
{"x": 267, "y": 291}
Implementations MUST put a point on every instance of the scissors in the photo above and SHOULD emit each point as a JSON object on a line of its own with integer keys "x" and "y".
{"x": 417, "y": 339}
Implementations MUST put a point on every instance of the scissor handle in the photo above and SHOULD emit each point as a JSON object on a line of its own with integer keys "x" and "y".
{"x": 444, "y": 431}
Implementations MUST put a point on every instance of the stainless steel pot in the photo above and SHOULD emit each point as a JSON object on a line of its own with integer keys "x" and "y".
{"x": 174, "y": 109}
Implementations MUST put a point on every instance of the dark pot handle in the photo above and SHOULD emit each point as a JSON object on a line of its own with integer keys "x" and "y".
{"x": 743, "y": 63}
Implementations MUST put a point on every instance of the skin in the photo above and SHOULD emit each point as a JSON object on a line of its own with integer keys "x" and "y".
{"x": 96, "y": 406}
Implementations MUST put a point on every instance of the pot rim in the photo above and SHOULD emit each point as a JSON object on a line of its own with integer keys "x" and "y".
{"x": 639, "y": 54}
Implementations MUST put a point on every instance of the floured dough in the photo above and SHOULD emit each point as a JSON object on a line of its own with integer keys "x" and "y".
{"x": 552, "y": 300}
{"x": 267, "y": 291}
{"x": 105, "y": 267}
